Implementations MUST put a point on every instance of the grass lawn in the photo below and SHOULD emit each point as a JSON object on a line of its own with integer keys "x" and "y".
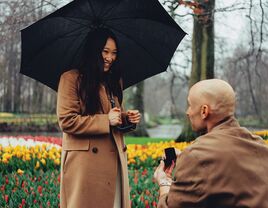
{"x": 143, "y": 140}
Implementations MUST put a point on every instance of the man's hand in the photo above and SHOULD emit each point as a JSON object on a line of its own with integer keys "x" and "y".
{"x": 164, "y": 177}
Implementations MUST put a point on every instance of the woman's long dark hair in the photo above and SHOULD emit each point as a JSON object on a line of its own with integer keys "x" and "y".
{"x": 92, "y": 71}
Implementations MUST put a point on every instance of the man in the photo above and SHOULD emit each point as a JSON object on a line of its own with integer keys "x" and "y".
{"x": 226, "y": 167}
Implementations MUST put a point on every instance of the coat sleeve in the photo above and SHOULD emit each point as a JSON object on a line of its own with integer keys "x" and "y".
{"x": 187, "y": 191}
{"x": 69, "y": 110}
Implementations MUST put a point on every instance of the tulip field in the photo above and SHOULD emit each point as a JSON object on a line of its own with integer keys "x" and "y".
{"x": 30, "y": 169}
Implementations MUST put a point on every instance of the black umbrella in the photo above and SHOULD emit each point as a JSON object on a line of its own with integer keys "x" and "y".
{"x": 147, "y": 37}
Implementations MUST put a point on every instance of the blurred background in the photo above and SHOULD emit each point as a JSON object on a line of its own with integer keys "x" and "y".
{"x": 225, "y": 39}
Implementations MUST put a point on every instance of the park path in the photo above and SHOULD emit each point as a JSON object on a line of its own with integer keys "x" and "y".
{"x": 161, "y": 131}
{"x": 170, "y": 131}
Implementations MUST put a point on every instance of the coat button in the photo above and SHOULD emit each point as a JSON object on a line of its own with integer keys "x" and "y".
{"x": 125, "y": 148}
{"x": 94, "y": 149}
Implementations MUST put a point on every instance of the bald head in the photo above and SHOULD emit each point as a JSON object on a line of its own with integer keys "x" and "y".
{"x": 217, "y": 94}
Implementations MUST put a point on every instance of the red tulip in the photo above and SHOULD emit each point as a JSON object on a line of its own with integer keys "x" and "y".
{"x": 23, "y": 202}
{"x": 2, "y": 188}
{"x": 147, "y": 192}
{"x": 22, "y": 184}
{"x": 144, "y": 172}
{"x": 39, "y": 189}
{"x": 146, "y": 203}
{"x": 154, "y": 204}
{"x": 6, "y": 198}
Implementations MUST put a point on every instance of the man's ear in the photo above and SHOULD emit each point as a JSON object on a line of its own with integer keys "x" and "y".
{"x": 204, "y": 111}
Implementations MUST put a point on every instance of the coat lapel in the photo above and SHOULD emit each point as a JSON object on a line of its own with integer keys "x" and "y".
{"x": 105, "y": 102}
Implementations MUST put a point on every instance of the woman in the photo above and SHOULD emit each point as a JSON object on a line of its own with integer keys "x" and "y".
{"x": 94, "y": 159}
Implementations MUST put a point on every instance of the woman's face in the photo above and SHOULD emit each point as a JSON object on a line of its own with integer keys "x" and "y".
{"x": 109, "y": 54}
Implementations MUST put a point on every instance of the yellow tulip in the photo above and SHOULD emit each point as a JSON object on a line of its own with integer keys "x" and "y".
{"x": 7, "y": 156}
{"x": 5, "y": 160}
{"x": 20, "y": 172}
{"x": 57, "y": 161}
{"x": 43, "y": 161}
{"x": 261, "y": 133}
{"x": 39, "y": 156}
{"x": 27, "y": 157}
{"x": 37, "y": 165}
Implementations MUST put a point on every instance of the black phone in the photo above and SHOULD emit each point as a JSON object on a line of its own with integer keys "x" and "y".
{"x": 170, "y": 156}
{"x": 126, "y": 128}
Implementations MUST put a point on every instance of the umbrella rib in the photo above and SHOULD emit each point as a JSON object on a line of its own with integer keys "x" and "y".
{"x": 77, "y": 22}
{"x": 81, "y": 45}
{"x": 129, "y": 37}
{"x": 67, "y": 33}
{"x": 91, "y": 8}
{"x": 111, "y": 9}
{"x": 61, "y": 37}
{"x": 126, "y": 18}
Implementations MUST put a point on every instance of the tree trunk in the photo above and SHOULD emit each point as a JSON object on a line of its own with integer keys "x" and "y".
{"x": 137, "y": 103}
{"x": 202, "y": 53}
{"x": 17, "y": 94}
{"x": 8, "y": 103}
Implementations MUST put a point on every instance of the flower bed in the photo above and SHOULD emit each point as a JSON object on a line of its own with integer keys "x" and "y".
{"x": 149, "y": 155}
{"x": 263, "y": 133}
{"x": 29, "y": 153}
{"x": 10, "y": 122}
{"x": 29, "y": 168}
{"x": 26, "y": 189}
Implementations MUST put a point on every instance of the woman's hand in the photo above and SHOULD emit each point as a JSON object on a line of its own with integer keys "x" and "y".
{"x": 133, "y": 116}
{"x": 114, "y": 116}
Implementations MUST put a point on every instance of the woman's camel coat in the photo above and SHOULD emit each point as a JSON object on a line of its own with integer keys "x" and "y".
{"x": 90, "y": 155}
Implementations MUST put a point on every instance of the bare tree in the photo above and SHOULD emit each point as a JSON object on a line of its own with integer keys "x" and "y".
{"x": 21, "y": 94}
{"x": 202, "y": 48}
{"x": 248, "y": 66}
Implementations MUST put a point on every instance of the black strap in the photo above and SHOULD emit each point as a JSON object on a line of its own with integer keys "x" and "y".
{"x": 122, "y": 128}
{"x": 112, "y": 99}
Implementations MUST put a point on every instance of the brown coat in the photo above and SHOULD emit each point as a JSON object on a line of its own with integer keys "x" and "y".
{"x": 90, "y": 156}
{"x": 226, "y": 168}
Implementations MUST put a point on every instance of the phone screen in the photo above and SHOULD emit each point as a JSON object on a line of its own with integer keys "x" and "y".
{"x": 170, "y": 155}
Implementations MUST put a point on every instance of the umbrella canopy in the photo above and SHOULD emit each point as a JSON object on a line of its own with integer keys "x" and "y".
{"x": 146, "y": 36}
